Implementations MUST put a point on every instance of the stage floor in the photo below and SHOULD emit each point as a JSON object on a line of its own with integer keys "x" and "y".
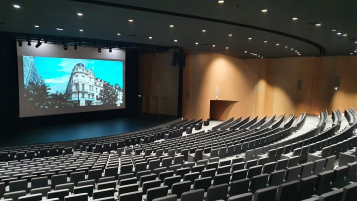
{"x": 83, "y": 130}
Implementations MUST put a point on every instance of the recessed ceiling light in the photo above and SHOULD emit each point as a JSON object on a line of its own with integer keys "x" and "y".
{"x": 295, "y": 50}
{"x": 80, "y": 14}
{"x": 258, "y": 55}
{"x": 355, "y": 41}
{"x": 339, "y": 33}
{"x": 265, "y": 41}
{"x": 175, "y": 41}
{"x": 245, "y": 52}
{"x": 277, "y": 44}
{"x": 37, "y": 26}
{"x": 196, "y": 43}
{"x": 286, "y": 46}
{"x": 213, "y": 45}
{"x": 264, "y": 10}
{"x": 203, "y": 30}
{"x": 351, "y": 53}
{"x": 150, "y": 37}
{"x": 221, "y": 1}
{"x": 118, "y": 34}
{"x": 318, "y": 24}
{"x": 16, "y": 6}
{"x": 333, "y": 29}
{"x": 344, "y": 35}
{"x": 254, "y": 54}
{"x": 81, "y": 30}
{"x": 59, "y": 29}
{"x": 295, "y": 18}
{"x": 172, "y": 26}
{"x": 130, "y": 20}
{"x": 230, "y": 34}
{"x": 251, "y": 53}
{"x": 249, "y": 38}
{"x": 262, "y": 57}
{"x": 292, "y": 48}
{"x": 227, "y": 48}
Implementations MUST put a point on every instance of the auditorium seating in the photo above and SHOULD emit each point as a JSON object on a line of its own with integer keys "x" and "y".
{"x": 235, "y": 161}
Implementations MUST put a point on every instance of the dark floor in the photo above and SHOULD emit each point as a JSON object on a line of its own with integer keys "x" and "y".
{"x": 82, "y": 130}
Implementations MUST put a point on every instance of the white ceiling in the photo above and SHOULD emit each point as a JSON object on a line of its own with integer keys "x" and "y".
{"x": 105, "y": 21}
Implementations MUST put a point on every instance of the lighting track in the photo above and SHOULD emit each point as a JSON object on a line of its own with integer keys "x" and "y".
{"x": 150, "y": 10}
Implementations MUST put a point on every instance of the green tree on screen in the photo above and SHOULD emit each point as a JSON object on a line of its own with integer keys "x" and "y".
{"x": 108, "y": 95}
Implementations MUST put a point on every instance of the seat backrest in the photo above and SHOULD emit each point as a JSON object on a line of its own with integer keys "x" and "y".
{"x": 350, "y": 192}
{"x": 169, "y": 181}
{"x": 167, "y": 198}
{"x": 258, "y": 182}
{"x": 287, "y": 190}
{"x": 39, "y": 182}
{"x": 276, "y": 178}
{"x": 181, "y": 187}
{"x": 104, "y": 193}
{"x": 193, "y": 195}
{"x": 58, "y": 194}
{"x": 84, "y": 189}
{"x": 33, "y": 197}
{"x": 86, "y": 182}
{"x": 239, "y": 174}
{"x": 69, "y": 186}
{"x": 208, "y": 173}
{"x": 222, "y": 178}
{"x": 306, "y": 170}
{"x": 239, "y": 187}
{"x": 324, "y": 182}
{"x": 269, "y": 167}
{"x": 133, "y": 196}
{"x": 265, "y": 194}
{"x": 128, "y": 188}
{"x": 307, "y": 187}
{"x": 150, "y": 184}
{"x": 339, "y": 176}
{"x": 282, "y": 164}
{"x": 292, "y": 173}
{"x": 319, "y": 166}
{"x": 254, "y": 171}
{"x": 332, "y": 196}
{"x": 217, "y": 192}
{"x": 157, "y": 192}
{"x": 14, "y": 195}
{"x": 202, "y": 183}
{"x": 18, "y": 185}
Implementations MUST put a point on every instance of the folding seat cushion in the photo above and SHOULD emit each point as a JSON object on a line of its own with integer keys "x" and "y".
{"x": 265, "y": 194}
{"x": 84, "y": 189}
{"x": 60, "y": 194}
{"x": 239, "y": 187}
{"x": 127, "y": 181}
{"x": 104, "y": 193}
{"x": 241, "y": 197}
{"x": 167, "y": 198}
{"x": 287, "y": 190}
{"x": 14, "y": 195}
{"x": 77, "y": 197}
{"x": 86, "y": 182}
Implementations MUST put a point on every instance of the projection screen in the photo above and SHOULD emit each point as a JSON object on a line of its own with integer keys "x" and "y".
{"x": 57, "y": 81}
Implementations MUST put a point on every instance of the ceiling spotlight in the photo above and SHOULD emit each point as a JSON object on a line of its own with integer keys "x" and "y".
{"x": 264, "y": 10}
{"x": 20, "y": 43}
{"x": 65, "y": 47}
{"x": 28, "y": 43}
{"x": 81, "y": 30}
{"x": 213, "y": 45}
{"x": 277, "y": 44}
{"x": 258, "y": 55}
{"x": 344, "y": 35}
{"x": 295, "y": 50}
{"x": 150, "y": 37}
{"x": 286, "y": 46}
{"x": 249, "y": 38}
{"x": 227, "y": 48}
{"x": 16, "y": 6}
{"x": 175, "y": 41}
{"x": 75, "y": 47}
{"x": 80, "y": 14}
{"x": 245, "y": 52}
{"x": 339, "y": 33}
{"x": 292, "y": 48}
{"x": 99, "y": 50}
{"x": 350, "y": 53}
{"x": 254, "y": 54}
{"x": 110, "y": 49}
{"x": 265, "y": 41}
{"x": 38, "y": 44}
{"x": 295, "y": 18}
{"x": 333, "y": 29}
{"x": 118, "y": 34}
{"x": 262, "y": 57}
{"x": 356, "y": 42}
{"x": 221, "y": 1}
{"x": 318, "y": 24}
{"x": 59, "y": 29}
{"x": 230, "y": 34}
{"x": 196, "y": 43}
{"x": 130, "y": 20}
{"x": 36, "y": 26}
{"x": 203, "y": 31}
{"x": 172, "y": 26}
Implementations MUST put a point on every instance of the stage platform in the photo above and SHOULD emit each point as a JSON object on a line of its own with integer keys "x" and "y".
{"x": 82, "y": 130}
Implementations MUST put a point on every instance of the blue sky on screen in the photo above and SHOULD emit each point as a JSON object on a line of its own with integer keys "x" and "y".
{"x": 56, "y": 72}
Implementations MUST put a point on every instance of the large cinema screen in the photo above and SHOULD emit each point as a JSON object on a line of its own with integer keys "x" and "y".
{"x": 81, "y": 83}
